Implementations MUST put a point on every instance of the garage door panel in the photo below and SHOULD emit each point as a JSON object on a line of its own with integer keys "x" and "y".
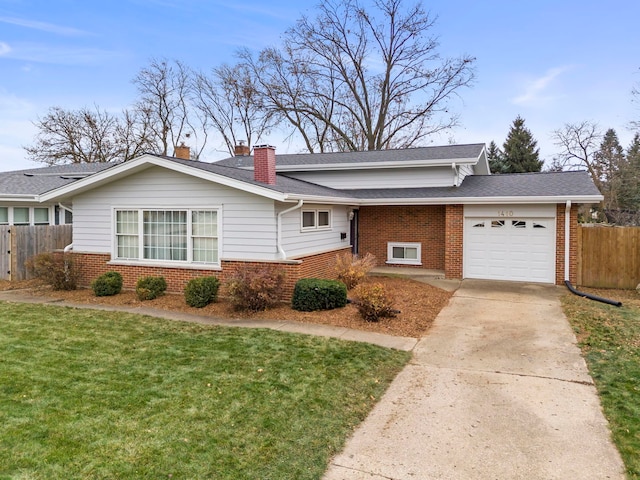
{"x": 521, "y": 249}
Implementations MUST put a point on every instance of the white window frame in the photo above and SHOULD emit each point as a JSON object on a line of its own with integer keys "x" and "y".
{"x": 31, "y": 213}
{"x": 404, "y": 261}
{"x": 190, "y": 237}
{"x": 316, "y": 217}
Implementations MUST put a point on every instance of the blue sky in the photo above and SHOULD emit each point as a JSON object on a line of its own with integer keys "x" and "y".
{"x": 551, "y": 62}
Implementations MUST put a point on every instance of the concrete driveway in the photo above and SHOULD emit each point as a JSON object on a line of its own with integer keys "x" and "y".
{"x": 496, "y": 390}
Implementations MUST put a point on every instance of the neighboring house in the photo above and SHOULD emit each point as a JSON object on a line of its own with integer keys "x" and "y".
{"x": 432, "y": 207}
{"x": 20, "y": 190}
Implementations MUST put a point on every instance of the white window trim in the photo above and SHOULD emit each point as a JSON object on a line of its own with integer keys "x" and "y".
{"x": 31, "y": 210}
{"x": 188, "y": 263}
{"x": 315, "y": 226}
{"x": 404, "y": 261}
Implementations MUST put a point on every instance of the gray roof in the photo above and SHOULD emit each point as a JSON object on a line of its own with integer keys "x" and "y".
{"x": 551, "y": 184}
{"x": 35, "y": 181}
{"x": 283, "y": 184}
{"x": 446, "y": 152}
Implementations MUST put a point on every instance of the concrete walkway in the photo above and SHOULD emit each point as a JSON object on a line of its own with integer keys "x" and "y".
{"x": 496, "y": 390}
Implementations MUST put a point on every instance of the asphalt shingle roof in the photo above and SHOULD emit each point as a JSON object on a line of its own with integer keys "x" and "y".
{"x": 446, "y": 152}
{"x": 35, "y": 181}
{"x": 549, "y": 184}
{"x": 283, "y": 184}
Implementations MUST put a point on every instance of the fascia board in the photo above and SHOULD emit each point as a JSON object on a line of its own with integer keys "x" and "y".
{"x": 18, "y": 197}
{"x": 146, "y": 161}
{"x": 324, "y": 200}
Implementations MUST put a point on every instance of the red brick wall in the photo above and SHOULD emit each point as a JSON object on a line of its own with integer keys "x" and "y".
{"x": 573, "y": 244}
{"x": 92, "y": 265}
{"x": 424, "y": 224}
{"x": 454, "y": 228}
{"x": 264, "y": 164}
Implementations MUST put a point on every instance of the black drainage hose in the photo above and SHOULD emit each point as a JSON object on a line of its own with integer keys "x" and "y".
{"x": 615, "y": 303}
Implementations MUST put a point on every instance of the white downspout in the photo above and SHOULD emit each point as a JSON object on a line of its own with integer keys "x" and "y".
{"x": 567, "y": 239}
{"x": 281, "y": 251}
{"x": 69, "y": 247}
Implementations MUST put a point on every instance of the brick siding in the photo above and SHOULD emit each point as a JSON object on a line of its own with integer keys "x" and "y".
{"x": 423, "y": 224}
{"x": 573, "y": 244}
{"x": 454, "y": 235}
{"x": 90, "y": 266}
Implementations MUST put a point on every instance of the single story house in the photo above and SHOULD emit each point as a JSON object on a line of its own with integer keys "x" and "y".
{"x": 430, "y": 207}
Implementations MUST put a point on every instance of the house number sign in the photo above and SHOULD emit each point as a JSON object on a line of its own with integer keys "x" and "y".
{"x": 505, "y": 213}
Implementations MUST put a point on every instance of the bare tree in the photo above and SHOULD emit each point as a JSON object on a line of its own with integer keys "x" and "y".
{"x": 231, "y": 104}
{"x": 359, "y": 79}
{"x": 86, "y": 136}
{"x": 579, "y": 143}
{"x": 164, "y": 89}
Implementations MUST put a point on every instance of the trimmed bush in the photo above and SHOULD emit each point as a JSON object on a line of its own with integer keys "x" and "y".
{"x": 351, "y": 269}
{"x": 256, "y": 287}
{"x": 55, "y": 269}
{"x": 311, "y": 294}
{"x": 374, "y": 302}
{"x": 107, "y": 284}
{"x": 148, "y": 288}
{"x": 200, "y": 292}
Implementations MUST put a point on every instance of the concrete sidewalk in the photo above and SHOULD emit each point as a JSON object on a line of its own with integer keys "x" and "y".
{"x": 496, "y": 390}
{"x": 388, "y": 341}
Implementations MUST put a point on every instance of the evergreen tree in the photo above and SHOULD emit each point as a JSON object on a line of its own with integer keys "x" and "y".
{"x": 609, "y": 166}
{"x": 519, "y": 150}
{"x": 496, "y": 159}
{"x": 629, "y": 197}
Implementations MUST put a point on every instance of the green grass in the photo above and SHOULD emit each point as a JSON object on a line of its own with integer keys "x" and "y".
{"x": 89, "y": 394}
{"x": 610, "y": 342}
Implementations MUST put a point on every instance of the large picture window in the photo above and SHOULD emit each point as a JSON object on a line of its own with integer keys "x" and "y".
{"x": 167, "y": 235}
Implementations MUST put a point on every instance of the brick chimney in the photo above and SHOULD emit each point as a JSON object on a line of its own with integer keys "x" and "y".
{"x": 183, "y": 152}
{"x": 242, "y": 150}
{"x": 264, "y": 164}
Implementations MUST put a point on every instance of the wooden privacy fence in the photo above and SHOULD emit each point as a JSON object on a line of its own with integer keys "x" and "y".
{"x": 19, "y": 243}
{"x": 608, "y": 257}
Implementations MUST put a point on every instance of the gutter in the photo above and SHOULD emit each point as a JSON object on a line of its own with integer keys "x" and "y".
{"x": 281, "y": 251}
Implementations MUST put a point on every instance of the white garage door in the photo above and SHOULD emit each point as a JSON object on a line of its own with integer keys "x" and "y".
{"x": 513, "y": 248}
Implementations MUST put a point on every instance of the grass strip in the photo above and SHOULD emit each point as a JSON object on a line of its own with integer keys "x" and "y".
{"x": 610, "y": 341}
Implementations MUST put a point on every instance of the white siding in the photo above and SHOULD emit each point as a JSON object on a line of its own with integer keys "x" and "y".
{"x": 380, "y": 178}
{"x": 296, "y": 242}
{"x": 248, "y": 221}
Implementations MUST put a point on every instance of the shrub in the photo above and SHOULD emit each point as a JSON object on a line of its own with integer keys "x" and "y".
{"x": 311, "y": 294}
{"x": 107, "y": 284}
{"x": 256, "y": 287}
{"x": 148, "y": 288}
{"x": 374, "y": 302}
{"x": 200, "y": 292}
{"x": 351, "y": 269}
{"x": 56, "y": 269}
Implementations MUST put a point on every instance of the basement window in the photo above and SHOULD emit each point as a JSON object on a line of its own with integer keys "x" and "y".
{"x": 404, "y": 253}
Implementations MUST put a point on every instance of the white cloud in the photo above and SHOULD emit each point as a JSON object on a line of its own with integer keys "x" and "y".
{"x": 4, "y": 48}
{"x": 42, "y": 26}
{"x": 536, "y": 90}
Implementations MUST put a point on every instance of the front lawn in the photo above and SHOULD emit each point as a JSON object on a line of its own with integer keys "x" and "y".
{"x": 610, "y": 342}
{"x": 89, "y": 394}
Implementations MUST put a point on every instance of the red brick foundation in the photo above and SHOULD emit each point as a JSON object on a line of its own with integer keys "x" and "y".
{"x": 91, "y": 265}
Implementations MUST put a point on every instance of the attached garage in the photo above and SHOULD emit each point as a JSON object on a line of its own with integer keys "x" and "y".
{"x": 510, "y": 242}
